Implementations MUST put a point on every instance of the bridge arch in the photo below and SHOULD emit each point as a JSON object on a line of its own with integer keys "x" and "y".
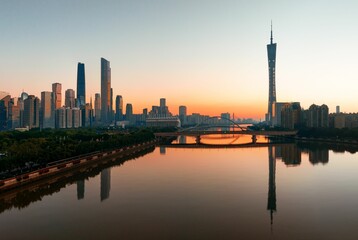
{"x": 197, "y": 126}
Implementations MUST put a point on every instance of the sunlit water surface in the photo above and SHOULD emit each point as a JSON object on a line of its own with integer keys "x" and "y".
{"x": 279, "y": 192}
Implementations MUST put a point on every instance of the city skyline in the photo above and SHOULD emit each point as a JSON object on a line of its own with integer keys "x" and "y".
{"x": 210, "y": 56}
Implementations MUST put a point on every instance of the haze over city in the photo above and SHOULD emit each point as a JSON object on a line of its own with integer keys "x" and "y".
{"x": 208, "y": 55}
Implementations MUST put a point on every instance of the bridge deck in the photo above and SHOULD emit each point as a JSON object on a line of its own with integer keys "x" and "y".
{"x": 245, "y": 132}
{"x": 241, "y": 145}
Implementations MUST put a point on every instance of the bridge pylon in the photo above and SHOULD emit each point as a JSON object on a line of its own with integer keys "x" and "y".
{"x": 254, "y": 139}
{"x": 197, "y": 139}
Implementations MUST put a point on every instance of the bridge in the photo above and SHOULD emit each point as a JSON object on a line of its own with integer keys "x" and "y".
{"x": 232, "y": 132}
{"x": 198, "y": 133}
{"x": 230, "y": 128}
{"x": 216, "y": 146}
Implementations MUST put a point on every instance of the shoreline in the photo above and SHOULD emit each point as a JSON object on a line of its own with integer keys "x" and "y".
{"x": 325, "y": 140}
{"x": 61, "y": 167}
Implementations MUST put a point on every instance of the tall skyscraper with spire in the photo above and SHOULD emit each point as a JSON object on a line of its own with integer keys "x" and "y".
{"x": 106, "y": 108}
{"x": 81, "y": 85}
{"x": 271, "y": 54}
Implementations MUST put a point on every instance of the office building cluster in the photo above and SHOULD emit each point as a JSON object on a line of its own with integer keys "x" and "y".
{"x": 48, "y": 111}
{"x": 343, "y": 120}
{"x": 290, "y": 115}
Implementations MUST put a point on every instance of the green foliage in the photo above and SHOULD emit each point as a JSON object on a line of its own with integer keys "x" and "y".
{"x": 335, "y": 133}
{"x": 41, "y": 147}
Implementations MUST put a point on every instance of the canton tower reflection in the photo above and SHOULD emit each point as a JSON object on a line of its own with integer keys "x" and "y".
{"x": 271, "y": 200}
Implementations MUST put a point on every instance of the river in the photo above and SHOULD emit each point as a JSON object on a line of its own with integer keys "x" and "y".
{"x": 280, "y": 191}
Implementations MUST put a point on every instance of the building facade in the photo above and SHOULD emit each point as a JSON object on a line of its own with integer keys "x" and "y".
{"x": 46, "y": 110}
{"x": 81, "y": 84}
{"x": 106, "y": 108}
{"x": 97, "y": 107}
{"x": 57, "y": 95}
{"x": 119, "y": 108}
{"x": 32, "y": 112}
{"x": 70, "y": 98}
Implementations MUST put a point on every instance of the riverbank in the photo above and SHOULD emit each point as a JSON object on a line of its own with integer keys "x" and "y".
{"x": 64, "y": 166}
{"x": 326, "y": 140}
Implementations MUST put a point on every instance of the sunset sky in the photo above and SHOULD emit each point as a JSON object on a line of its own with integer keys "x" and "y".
{"x": 208, "y": 55}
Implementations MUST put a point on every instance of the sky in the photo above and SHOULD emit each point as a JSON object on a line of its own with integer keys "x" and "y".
{"x": 207, "y": 55}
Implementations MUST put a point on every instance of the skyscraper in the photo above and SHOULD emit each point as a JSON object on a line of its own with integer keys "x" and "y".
{"x": 57, "y": 96}
{"x": 97, "y": 107}
{"x": 31, "y": 112}
{"x": 14, "y": 113}
{"x": 106, "y": 108}
{"x": 70, "y": 98}
{"x": 271, "y": 54}
{"x": 111, "y": 112}
{"x": 46, "y": 110}
{"x": 129, "y": 112}
{"x": 119, "y": 108}
{"x": 81, "y": 84}
{"x": 162, "y": 107}
{"x": 182, "y": 114}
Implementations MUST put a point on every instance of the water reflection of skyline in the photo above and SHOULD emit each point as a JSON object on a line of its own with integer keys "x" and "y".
{"x": 290, "y": 155}
{"x": 23, "y": 197}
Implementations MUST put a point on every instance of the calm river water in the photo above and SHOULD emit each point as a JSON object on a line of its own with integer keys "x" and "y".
{"x": 281, "y": 191}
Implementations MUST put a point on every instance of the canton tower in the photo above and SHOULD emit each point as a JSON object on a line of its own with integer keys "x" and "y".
{"x": 271, "y": 54}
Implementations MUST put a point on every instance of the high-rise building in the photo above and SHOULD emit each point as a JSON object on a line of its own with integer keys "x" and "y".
{"x": 271, "y": 54}
{"x": 32, "y": 112}
{"x": 111, "y": 113}
{"x": 69, "y": 117}
{"x": 182, "y": 114}
{"x": 21, "y": 103}
{"x": 46, "y": 110}
{"x": 338, "y": 110}
{"x": 87, "y": 115}
{"x": 225, "y": 118}
{"x": 317, "y": 116}
{"x": 129, "y": 112}
{"x": 162, "y": 103}
{"x": 3, "y": 113}
{"x": 81, "y": 84}
{"x": 57, "y": 96}
{"x": 97, "y": 107}
{"x": 60, "y": 120}
{"x": 291, "y": 115}
{"x": 76, "y": 118}
{"x": 119, "y": 108}
{"x": 70, "y": 98}
{"x": 14, "y": 113}
{"x": 106, "y": 109}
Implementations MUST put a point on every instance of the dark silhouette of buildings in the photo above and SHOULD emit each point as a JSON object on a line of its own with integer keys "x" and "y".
{"x": 271, "y": 200}
{"x": 271, "y": 54}
{"x": 119, "y": 108}
{"x": 183, "y": 114}
{"x": 70, "y": 98}
{"x": 106, "y": 108}
{"x": 81, "y": 85}
{"x": 32, "y": 112}
{"x": 317, "y": 116}
{"x": 80, "y": 189}
{"x": 105, "y": 183}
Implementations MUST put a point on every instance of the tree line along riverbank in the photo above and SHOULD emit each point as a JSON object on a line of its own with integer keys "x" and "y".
{"x": 21, "y": 151}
